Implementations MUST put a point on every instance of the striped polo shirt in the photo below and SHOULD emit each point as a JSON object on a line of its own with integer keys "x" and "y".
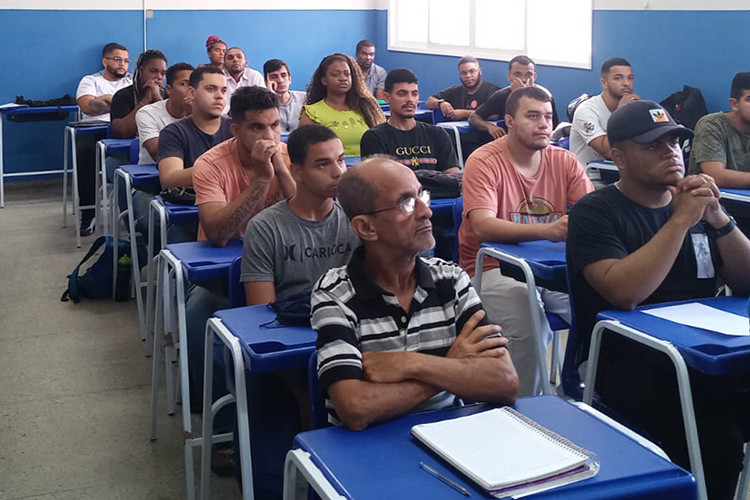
{"x": 352, "y": 314}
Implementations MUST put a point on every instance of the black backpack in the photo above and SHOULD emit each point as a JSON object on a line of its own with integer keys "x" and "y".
{"x": 686, "y": 106}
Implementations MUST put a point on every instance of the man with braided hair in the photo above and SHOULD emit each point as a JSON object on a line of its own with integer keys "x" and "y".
{"x": 147, "y": 88}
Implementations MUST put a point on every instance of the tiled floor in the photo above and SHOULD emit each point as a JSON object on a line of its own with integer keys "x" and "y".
{"x": 74, "y": 382}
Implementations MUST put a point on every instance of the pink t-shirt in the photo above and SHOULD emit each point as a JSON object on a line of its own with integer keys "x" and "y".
{"x": 219, "y": 176}
{"x": 492, "y": 182}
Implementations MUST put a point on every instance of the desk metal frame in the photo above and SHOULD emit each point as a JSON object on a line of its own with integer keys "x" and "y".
{"x": 4, "y": 174}
{"x": 683, "y": 383}
{"x": 533, "y": 300}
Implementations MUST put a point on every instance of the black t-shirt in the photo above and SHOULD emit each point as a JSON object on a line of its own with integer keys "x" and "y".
{"x": 495, "y": 106}
{"x": 423, "y": 147}
{"x": 459, "y": 97}
{"x": 123, "y": 102}
{"x": 606, "y": 224}
{"x": 183, "y": 139}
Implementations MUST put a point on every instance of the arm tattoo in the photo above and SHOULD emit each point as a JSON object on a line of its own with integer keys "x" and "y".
{"x": 242, "y": 214}
{"x": 98, "y": 107}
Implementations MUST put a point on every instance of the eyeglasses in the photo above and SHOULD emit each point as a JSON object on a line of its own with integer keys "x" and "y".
{"x": 406, "y": 205}
{"x": 118, "y": 59}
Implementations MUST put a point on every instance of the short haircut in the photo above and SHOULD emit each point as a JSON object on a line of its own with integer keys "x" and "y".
{"x": 740, "y": 82}
{"x": 176, "y": 68}
{"x": 274, "y": 65}
{"x": 197, "y": 76}
{"x": 522, "y": 60}
{"x": 149, "y": 55}
{"x": 111, "y": 47}
{"x": 356, "y": 194}
{"x": 400, "y": 75}
{"x": 514, "y": 99}
{"x": 364, "y": 43}
{"x": 303, "y": 137}
{"x": 237, "y": 48}
{"x": 252, "y": 98}
{"x": 613, "y": 61}
{"x": 467, "y": 59}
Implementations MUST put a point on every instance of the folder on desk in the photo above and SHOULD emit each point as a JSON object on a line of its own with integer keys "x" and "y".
{"x": 507, "y": 453}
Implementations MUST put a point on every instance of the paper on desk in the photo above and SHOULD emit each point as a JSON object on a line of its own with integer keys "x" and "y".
{"x": 703, "y": 316}
{"x": 9, "y": 105}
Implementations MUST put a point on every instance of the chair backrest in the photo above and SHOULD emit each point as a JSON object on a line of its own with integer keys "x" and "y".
{"x": 134, "y": 153}
{"x": 572, "y": 384}
{"x": 318, "y": 413}
{"x": 457, "y": 211}
{"x": 236, "y": 287}
{"x": 564, "y": 143}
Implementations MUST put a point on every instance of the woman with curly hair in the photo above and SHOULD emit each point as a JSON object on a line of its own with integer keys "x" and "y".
{"x": 337, "y": 98}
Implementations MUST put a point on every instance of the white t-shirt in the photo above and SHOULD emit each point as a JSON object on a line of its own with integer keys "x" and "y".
{"x": 249, "y": 78}
{"x": 589, "y": 122}
{"x": 150, "y": 120}
{"x": 97, "y": 85}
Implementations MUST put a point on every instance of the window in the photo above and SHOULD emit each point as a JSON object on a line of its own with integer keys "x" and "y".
{"x": 551, "y": 32}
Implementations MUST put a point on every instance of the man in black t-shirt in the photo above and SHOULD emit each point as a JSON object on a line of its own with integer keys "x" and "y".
{"x": 147, "y": 88}
{"x": 415, "y": 144}
{"x": 520, "y": 74}
{"x": 182, "y": 142}
{"x": 657, "y": 236}
{"x": 459, "y": 101}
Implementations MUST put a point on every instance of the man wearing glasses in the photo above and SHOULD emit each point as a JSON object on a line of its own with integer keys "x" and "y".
{"x": 517, "y": 188}
{"x": 398, "y": 333}
{"x": 94, "y": 96}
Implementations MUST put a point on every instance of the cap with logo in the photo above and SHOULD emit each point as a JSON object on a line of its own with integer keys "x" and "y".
{"x": 643, "y": 122}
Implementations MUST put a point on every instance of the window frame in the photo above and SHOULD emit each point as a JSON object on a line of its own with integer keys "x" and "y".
{"x": 431, "y": 48}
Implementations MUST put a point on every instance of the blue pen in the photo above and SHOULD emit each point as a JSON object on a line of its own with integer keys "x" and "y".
{"x": 444, "y": 479}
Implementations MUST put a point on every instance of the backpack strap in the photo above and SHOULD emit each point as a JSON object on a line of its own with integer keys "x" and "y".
{"x": 72, "y": 292}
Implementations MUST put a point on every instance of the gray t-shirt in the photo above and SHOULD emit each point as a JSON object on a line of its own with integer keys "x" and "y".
{"x": 294, "y": 252}
{"x": 717, "y": 140}
{"x": 375, "y": 79}
{"x": 290, "y": 111}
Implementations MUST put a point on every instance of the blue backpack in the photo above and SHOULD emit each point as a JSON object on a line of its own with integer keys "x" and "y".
{"x": 97, "y": 281}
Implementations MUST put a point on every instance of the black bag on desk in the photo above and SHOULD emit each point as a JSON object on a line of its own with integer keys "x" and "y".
{"x": 686, "y": 106}
{"x": 66, "y": 100}
{"x": 293, "y": 311}
{"x": 440, "y": 184}
{"x": 179, "y": 196}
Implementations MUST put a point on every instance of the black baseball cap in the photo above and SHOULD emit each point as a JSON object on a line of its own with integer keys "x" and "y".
{"x": 643, "y": 122}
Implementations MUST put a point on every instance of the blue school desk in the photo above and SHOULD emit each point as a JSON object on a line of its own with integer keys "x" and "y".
{"x": 15, "y": 114}
{"x": 462, "y": 127}
{"x": 178, "y": 264}
{"x": 382, "y": 461}
{"x": 603, "y": 171}
{"x": 703, "y": 350}
{"x": 740, "y": 195}
{"x": 541, "y": 263}
{"x": 257, "y": 349}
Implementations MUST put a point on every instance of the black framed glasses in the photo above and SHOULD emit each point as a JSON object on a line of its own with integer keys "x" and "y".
{"x": 407, "y": 205}
{"x": 118, "y": 59}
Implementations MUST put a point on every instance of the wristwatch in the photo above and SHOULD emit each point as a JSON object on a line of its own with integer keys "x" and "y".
{"x": 722, "y": 231}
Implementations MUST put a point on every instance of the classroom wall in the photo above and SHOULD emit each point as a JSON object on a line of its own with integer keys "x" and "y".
{"x": 667, "y": 49}
{"x": 47, "y": 50}
{"x": 50, "y": 59}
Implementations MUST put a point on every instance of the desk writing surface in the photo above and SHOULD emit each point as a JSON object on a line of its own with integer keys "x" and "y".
{"x": 202, "y": 260}
{"x": 141, "y": 176}
{"x": 382, "y": 461}
{"x": 442, "y": 206}
{"x": 736, "y": 194}
{"x": 546, "y": 258}
{"x": 178, "y": 213}
{"x": 271, "y": 348}
{"x": 709, "y": 352}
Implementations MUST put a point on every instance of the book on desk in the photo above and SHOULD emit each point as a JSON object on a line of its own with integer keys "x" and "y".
{"x": 507, "y": 453}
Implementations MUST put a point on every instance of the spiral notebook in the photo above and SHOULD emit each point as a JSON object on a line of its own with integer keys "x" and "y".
{"x": 507, "y": 453}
